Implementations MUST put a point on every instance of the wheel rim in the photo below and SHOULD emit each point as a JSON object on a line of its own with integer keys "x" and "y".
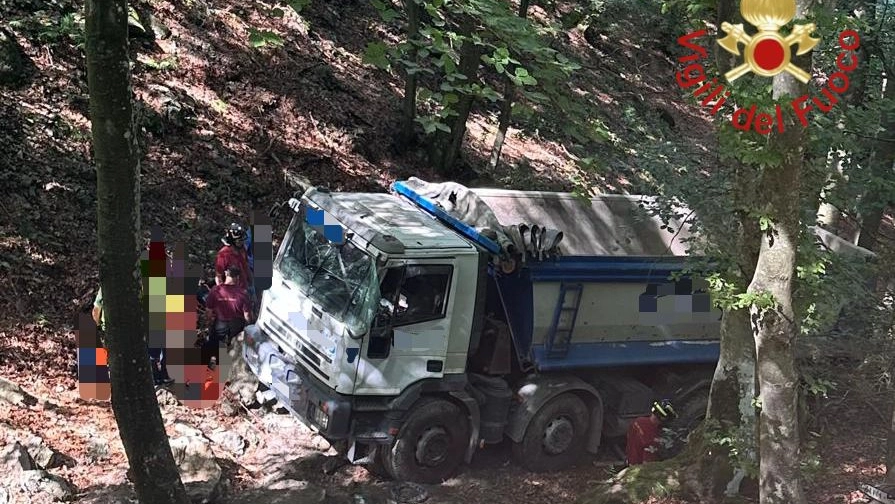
{"x": 558, "y": 435}
{"x": 432, "y": 447}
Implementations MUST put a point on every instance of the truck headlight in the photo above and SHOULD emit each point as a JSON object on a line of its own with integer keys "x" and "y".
{"x": 320, "y": 418}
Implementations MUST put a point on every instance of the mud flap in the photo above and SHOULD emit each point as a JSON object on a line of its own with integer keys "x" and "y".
{"x": 475, "y": 422}
{"x": 595, "y": 434}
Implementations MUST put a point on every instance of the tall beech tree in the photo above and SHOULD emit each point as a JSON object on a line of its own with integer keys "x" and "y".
{"x": 153, "y": 470}
{"x": 774, "y": 323}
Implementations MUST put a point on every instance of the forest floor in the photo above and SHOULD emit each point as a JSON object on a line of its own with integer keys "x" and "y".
{"x": 221, "y": 123}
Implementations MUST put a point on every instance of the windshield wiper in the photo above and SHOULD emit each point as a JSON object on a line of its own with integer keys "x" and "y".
{"x": 354, "y": 292}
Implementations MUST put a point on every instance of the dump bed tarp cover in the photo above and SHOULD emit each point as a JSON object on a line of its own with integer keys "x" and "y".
{"x": 611, "y": 225}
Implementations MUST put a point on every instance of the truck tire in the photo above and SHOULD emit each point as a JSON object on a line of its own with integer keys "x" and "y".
{"x": 431, "y": 443}
{"x": 377, "y": 465}
{"x": 556, "y": 435}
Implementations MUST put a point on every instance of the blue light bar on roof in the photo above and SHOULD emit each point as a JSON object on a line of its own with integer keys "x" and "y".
{"x": 449, "y": 220}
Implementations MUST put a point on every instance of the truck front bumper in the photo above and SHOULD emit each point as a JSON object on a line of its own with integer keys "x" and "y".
{"x": 315, "y": 404}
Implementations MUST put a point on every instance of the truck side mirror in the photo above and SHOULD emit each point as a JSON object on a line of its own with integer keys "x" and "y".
{"x": 382, "y": 338}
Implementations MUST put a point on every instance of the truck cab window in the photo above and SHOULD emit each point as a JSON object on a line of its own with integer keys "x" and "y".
{"x": 423, "y": 295}
{"x": 415, "y": 294}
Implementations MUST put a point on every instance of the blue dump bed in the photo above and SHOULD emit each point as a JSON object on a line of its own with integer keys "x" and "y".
{"x": 610, "y": 299}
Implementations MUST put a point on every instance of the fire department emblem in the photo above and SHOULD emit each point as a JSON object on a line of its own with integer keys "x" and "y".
{"x": 767, "y": 53}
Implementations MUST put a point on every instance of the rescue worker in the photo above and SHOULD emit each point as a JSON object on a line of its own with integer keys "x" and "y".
{"x": 228, "y": 310}
{"x": 643, "y": 434}
{"x": 233, "y": 253}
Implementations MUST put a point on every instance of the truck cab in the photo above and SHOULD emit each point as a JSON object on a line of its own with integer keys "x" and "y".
{"x": 369, "y": 297}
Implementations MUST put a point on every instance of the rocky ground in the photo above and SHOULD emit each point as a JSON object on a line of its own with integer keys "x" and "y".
{"x": 58, "y": 447}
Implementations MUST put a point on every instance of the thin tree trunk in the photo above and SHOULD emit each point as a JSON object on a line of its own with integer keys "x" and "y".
{"x": 828, "y": 216}
{"x": 506, "y": 106}
{"x": 727, "y": 11}
{"x": 408, "y": 111}
{"x": 775, "y": 328}
{"x": 155, "y": 475}
{"x": 450, "y": 143}
{"x": 881, "y": 162}
{"x": 890, "y": 451}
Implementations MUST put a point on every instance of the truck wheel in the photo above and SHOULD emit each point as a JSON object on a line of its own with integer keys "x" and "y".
{"x": 431, "y": 444}
{"x": 555, "y": 437}
{"x": 377, "y": 465}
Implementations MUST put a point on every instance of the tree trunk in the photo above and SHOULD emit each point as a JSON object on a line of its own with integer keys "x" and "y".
{"x": 506, "y": 106}
{"x": 828, "y": 216}
{"x": 727, "y": 11}
{"x": 408, "y": 109}
{"x": 890, "y": 451}
{"x": 775, "y": 328}
{"x": 154, "y": 473}
{"x": 730, "y": 404}
{"x": 881, "y": 162}
{"x": 733, "y": 384}
{"x": 449, "y": 143}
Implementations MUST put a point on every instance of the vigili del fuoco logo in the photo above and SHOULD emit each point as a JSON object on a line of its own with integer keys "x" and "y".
{"x": 767, "y": 53}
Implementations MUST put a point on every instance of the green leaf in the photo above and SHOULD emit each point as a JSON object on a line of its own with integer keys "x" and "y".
{"x": 389, "y": 14}
{"x": 449, "y": 66}
{"x": 255, "y": 38}
{"x": 277, "y": 12}
{"x": 375, "y": 54}
{"x": 299, "y": 5}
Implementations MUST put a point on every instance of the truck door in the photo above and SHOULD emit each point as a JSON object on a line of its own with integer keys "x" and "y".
{"x": 408, "y": 340}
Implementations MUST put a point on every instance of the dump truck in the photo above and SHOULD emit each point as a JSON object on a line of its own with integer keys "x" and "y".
{"x": 414, "y": 327}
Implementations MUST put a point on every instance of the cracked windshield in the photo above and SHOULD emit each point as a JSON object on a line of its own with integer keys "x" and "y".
{"x": 341, "y": 279}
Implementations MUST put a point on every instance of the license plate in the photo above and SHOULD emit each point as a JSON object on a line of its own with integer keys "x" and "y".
{"x": 877, "y": 494}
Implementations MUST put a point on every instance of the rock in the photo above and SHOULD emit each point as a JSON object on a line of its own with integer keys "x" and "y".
{"x": 279, "y": 408}
{"x": 46, "y": 457}
{"x": 187, "y": 430}
{"x": 408, "y": 493}
{"x": 12, "y": 60}
{"x": 266, "y": 397}
{"x": 10, "y": 392}
{"x": 284, "y": 492}
{"x": 229, "y": 407}
{"x": 41, "y": 482}
{"x": 97, "y": 449}
{"x": 199, "y": 471}
{"x": 320, "y": 443}
{"x": 166, "y": 398}
{"x": 15, "y": 460}
{"x": 230, "y": 441}
{"x": 158, "y": 28}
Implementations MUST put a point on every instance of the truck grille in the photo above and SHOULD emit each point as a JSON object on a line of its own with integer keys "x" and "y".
{"x": 297, "y": 345}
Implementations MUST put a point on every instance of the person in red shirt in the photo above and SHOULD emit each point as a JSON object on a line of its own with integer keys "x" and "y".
{"x": 228, "y": 310}
{"x": 233, "y": 253}
{"x": 643, "y": 434}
